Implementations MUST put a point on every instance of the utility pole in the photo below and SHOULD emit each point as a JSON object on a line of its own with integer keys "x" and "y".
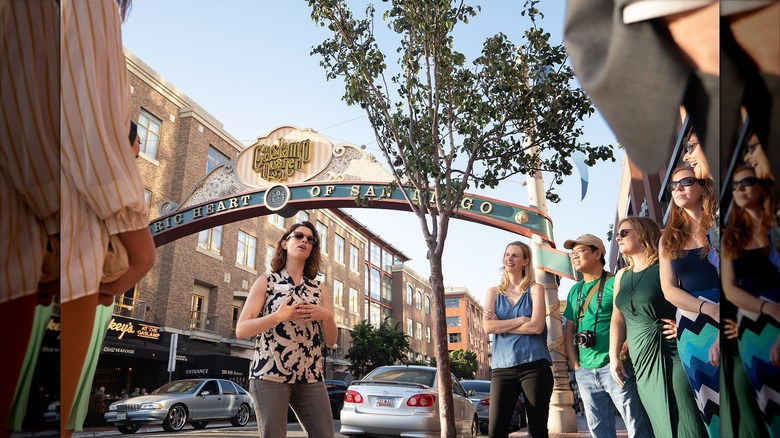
{"x": 562, "y": 418}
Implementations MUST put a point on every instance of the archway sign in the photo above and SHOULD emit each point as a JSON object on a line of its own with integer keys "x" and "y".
{"x": 292, "y": 169}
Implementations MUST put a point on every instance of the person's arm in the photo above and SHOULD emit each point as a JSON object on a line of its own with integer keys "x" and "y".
{"x": 496, "y": 326}
{"x": 617, "y": 335}
{"x": 323, "y": 313}
{"x": 140, "y": 254}
{"x": 536, "y": 324}
{"x": 572, "y": 354}
{"x": 249, "y": 323}
{"x": 740, "y": 297}
{"x": 680, "y": 298}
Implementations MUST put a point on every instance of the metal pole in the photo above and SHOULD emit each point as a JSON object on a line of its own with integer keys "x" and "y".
{"x": 562, "y": 417}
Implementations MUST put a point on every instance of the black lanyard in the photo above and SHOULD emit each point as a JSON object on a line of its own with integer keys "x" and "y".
{"x": 601, "y": 281}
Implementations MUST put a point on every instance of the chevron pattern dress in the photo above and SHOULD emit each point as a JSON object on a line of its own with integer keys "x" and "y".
{"x": 696, "y": 332}
{"x": 758, "y": 332}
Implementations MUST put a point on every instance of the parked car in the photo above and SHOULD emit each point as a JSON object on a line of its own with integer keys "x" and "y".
{"x": 478, "y": 392}
{"x": 194, "y": 401}
{"x": 336, "y": 391}
{"x": 403, "y": 400}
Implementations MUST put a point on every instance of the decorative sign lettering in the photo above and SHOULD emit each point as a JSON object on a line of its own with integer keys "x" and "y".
{"x": 286, "y": 155}
{"x": 280, "y": 161}
{"x": 197, "y": 371}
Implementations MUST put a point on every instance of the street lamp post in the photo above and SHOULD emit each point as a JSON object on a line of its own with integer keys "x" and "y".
{"x": 562, "y": 418}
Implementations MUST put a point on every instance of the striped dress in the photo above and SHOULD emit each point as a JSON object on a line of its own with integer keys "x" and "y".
{"x": 696, "y": 332}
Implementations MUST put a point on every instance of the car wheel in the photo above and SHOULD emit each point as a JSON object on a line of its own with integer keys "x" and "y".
{"x": 242, "y": 416}
{"x": 474, "y": 427}
{"x": 200, "y": 424}
{"x": 128, "y": 429}
{"x": 176, "y": 419}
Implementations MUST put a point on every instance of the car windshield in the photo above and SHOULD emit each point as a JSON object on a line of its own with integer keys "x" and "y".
{"x": 402, "y": 375}
{"x": 178, "y": 387}
{"x": 476, "y": 385}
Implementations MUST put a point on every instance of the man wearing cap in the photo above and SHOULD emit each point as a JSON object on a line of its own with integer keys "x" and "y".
{"x": 586, "y": 340}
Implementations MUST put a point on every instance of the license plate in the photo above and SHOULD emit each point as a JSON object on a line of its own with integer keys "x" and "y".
{"x": 121, "y": 415}
{"x": 384, "y": 402}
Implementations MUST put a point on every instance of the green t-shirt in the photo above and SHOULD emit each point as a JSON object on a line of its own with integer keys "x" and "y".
{"x": 598, "y": 355}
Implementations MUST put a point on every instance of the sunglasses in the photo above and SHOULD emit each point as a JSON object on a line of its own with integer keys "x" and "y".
{"x": 624, "y": 232}
{"x": 691, "y": 146}
{"x": 300, "y": 236}
{"x": 685, "y": 182}
{"x": 744, "y": 182}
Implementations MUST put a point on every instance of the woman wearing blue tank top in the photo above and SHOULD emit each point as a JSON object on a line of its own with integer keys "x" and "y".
{"x": 515, "y": 314}
{"x": 691, "y": 282}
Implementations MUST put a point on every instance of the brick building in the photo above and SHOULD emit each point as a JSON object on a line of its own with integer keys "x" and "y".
{"x": 464, "y": 327}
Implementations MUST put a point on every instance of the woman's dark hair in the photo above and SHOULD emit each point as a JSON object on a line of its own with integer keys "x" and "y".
{"x": 311, "y": 267}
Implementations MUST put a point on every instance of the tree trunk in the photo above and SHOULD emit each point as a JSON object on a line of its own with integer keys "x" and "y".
{"x": 446, "y": 411}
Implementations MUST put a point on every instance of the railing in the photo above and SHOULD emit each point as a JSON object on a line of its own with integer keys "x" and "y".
{"x": 129, "y": 307}
{"x": 202, "y": 321}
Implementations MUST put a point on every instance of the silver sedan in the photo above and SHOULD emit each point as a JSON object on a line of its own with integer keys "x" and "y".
{"x": 195, "y": 401}
{"x": 403, "y": 401}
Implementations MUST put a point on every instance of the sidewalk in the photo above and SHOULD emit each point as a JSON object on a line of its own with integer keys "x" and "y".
{"x": 582, "y": 430}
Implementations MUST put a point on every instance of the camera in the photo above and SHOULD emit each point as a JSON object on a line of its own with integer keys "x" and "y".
{"x": 585, "y": 339}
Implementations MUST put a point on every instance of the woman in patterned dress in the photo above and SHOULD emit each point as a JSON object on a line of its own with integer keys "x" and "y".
{"x": 691, "y": 283}
{"x": 640, "y": 315}
{"x": 752, "y": 282}
{"x": 290, "y": 313}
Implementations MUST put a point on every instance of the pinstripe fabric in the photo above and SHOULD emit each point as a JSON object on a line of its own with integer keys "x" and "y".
{"x": 100, "y": 181}
{"x": 29, "y": 148}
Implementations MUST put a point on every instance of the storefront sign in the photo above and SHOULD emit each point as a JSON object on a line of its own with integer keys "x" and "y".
{"x": 125, "y": 328}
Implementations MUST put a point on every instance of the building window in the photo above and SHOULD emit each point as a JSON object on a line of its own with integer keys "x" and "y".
{"x": 387, "y": 289}
{"x": 276, "y": 220}
{"x": 338, "y": 293}
{"x": 235, "y": 313}
{"x": 453, "y": 321}
{"x": 376, "y": 254}
{"x": 367, "y": 282}
{"x": 453, "y": 338}
{"x": 387, "y": 262}
{"x": 301, "y": 217}
{"x": 198, "y": 311}
{"x": 409, "y": 327}
{"x": 269, "y": 255}
{"x": 247, "y": 245}
{"x": 338, "y": 249}
{"x": 376, "y": 284}
{"x": 148, "y": 198}
{"x": 418, "y": 300}
{"x": 211, "y": 239}
{"x": 353, "y": 300}
{"x": 419, "y": 331}
{"x": 322, "y": 230}
{"x": 409, "y": 293}
{"x": 149, "y": 132}
{"x": 427, "y": 304}
{"x": 428, "y": 334}
{"x": 215, "y": 159}
{"x": 353, "y": 258}
{"x": 376, "y": 315}
{"x": 452, "y": 303}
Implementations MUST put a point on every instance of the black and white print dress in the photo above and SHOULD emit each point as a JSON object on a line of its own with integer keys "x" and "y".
{"x": 291, "y": 351}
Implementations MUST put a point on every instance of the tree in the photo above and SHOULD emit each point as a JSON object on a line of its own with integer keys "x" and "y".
{"x": 463, "y": 364}
{"x": 376, "y": 346}
{"x": 447, "y": 126}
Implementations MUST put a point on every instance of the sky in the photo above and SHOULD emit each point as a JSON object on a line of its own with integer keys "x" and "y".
{"x": 248, "y": 63}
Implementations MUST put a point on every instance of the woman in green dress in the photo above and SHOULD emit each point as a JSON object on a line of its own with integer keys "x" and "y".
{"x": 644, "y": 318}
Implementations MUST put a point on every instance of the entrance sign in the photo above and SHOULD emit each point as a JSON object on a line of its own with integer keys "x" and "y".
{"x": 293, "y": 169}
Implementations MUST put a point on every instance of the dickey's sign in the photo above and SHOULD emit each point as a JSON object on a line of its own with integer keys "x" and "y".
{"x": 125, "y": 328}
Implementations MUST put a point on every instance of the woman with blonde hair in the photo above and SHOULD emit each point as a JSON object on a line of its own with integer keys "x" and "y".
{"x": 752, "y": 282}
{"x": 641, "y": 315}
{"x": 515, "y": 313}
{"x": 691, "y": 283}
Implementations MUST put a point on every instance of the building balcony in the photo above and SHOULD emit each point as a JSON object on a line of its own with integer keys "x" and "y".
{"x": 129, "y": 307}
{"x": 205, "y": 326}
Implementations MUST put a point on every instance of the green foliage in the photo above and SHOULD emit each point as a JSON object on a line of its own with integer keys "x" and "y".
{"x": 512, "y": 109}
{"x": 376, "y": 346}
{"x": 463, "y": 364}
